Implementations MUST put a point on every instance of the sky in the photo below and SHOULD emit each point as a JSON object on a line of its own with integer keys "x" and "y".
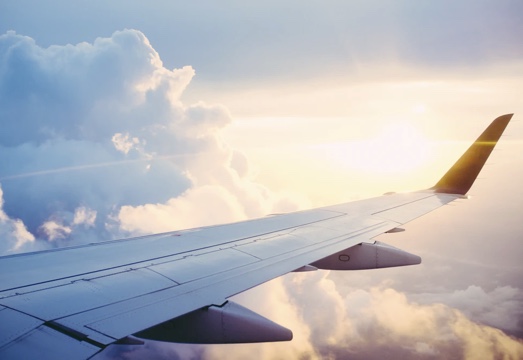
{"x": 127, "y": 118}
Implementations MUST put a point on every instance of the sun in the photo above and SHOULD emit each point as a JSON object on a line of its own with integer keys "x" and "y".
{"x": 398, "y": 148}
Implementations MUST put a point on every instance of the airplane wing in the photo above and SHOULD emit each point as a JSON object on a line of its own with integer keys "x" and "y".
{"x": 71, "y": 303}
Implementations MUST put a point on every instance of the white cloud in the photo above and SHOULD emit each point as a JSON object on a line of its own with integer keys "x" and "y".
{"x": 500, "y": 307}
{"x": 374, "y": 321}
{"x": 13, "y": 232}
{"x": 97, "y": 142}
{"x": 84, "y": 216}
{"x": 123, "y": 143}
{"x": 61, "y": 225}
{"x": 54, "y": 230}
{"x": 96, "y": 134}
{"x": 196, "y": 207}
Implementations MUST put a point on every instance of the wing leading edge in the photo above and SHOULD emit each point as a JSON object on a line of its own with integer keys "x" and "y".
{"x": 175, "y": 286}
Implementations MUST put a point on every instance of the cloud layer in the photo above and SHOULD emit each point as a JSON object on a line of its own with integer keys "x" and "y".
{"x": 372, "y": 322}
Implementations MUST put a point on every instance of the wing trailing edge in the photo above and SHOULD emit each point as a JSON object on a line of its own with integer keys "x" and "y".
{"x": 460, "y": 177}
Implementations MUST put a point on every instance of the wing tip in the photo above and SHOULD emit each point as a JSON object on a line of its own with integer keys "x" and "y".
{"x": 504, "y": 119}
{"x": 460, "y": 177}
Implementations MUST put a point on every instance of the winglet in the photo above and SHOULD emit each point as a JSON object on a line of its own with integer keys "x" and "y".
{"x": 463, "y": 173}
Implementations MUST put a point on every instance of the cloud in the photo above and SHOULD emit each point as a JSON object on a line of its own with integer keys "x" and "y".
{"x": 364, "y": 323}
{"x": 13, "y": 232}
{"x": 62, "y": 107}
{"x": 97, "y": 144}
{"x": 84, "y": 216}
{"x": 378, "y": 321}
{"x": 184, "y": 211}
{"x": 500, "y": 307}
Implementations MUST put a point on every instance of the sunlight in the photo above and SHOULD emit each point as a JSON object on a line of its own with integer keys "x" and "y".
{"x": 399, "y": 148}
{"x": 419, "y": 109}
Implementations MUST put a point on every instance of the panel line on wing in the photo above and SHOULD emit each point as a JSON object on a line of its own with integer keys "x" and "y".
{"x": 226, "y": 284}
{"x": 14, "y": 324}
{"x": 402, "y": 205}
{"x": 195, "y": 267}
{"x": 206, "y": 236}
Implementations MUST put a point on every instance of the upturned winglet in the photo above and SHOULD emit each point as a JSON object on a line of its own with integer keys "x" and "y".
{"x": 464, "y": 172}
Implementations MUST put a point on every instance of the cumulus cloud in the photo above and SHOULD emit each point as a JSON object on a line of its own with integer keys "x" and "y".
{"x": 96, "y": 135}
{"x": 183, "y": 211}
{"x": 499, "y": 307}
{"x": 363, "y": 323}
{"x": 85, "y": 216}
{"x": 381, "y": 322}
{"x": 13, "y": 232}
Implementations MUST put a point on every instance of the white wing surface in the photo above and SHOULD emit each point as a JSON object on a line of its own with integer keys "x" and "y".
{"x": 73, "y": 302}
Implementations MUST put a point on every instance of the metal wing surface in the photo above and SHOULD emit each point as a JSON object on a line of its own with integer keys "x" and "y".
{"x": 73, "y": 302}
